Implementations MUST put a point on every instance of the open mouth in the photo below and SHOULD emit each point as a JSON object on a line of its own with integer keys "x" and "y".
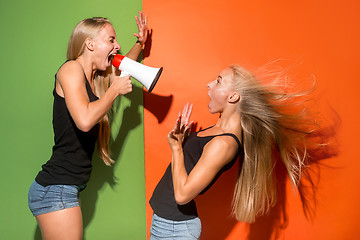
{"x": 111, "y": 57}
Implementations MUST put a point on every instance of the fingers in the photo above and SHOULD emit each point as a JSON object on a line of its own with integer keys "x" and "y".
{"x": 141, "y": 17}
{"x": 182, "y": 125}
{"x": 177, "y": 132}
{"x": 185, "y": 109}
{"x": 187, "y": 129}
{"x": 177, "y": 126}
{"x": 123, "y": 85}
{"x": 186, "y": 113}
{"x": 141, "y": 21}
{"x": 171, "y": 135}
{"x": 189, "y": 111}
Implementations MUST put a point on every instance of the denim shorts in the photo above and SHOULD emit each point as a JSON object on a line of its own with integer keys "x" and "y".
{"x": 52, "y": 197}
{"x": 167, "y": 229}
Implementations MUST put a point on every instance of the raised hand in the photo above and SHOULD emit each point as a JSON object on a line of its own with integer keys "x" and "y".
{"x": 141, "y": 23}
{"x": 181, "y": 129}
{"x": 185, "y": 116}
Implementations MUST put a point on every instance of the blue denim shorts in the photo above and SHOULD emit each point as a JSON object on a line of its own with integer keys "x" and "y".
{"x": 167, "y": 229}
{"x": 52, "y": 197}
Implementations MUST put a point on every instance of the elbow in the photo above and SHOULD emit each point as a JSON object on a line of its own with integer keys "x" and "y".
{"x": 84, "y": 126}
{"x": 182, "y": 199}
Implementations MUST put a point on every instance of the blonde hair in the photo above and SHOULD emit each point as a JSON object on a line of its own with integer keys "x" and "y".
{"x": 89, "y": 28}
{"x": 268, "y": 131}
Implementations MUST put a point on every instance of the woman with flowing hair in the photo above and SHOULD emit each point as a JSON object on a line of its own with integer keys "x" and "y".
{"x": 86, "y": 86}
{"x": 256, "y": 125}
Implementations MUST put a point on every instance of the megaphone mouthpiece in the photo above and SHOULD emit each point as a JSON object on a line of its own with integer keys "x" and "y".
{"x": 117, "y": 60}
{"x": 147, "y": 76}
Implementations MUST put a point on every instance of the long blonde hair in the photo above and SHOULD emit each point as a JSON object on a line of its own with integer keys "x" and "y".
{"x": 89, "y": 28}
{"x": 268, "y": 129}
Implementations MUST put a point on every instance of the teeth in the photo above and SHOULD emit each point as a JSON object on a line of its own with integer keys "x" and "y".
{"x": 111, "y": 57}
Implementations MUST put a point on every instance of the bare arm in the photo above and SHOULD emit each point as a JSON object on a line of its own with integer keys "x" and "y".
{"x": 216, "y": 154}
{"x": 71, "y": 84}
{"x": 141, "y": 23}
{"x": 86, "y": 114}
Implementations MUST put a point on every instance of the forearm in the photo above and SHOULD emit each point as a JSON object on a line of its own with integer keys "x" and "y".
{"x": 135, "y": 51}
{"x": 96, "y": 110}
{"x": 179, "y": 176}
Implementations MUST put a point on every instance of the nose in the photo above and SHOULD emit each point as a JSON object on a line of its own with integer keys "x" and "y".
{"x": 210, "y": 84}
{"x": 117, "y": 46}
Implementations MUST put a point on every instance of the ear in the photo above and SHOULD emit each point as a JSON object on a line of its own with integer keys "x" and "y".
{"x": 89, "y": 43}
{"x": 234, "y": 97}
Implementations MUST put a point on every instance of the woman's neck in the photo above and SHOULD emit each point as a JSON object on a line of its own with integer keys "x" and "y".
{"x": 229, "y": 121}
{"x": 87, "y": 67}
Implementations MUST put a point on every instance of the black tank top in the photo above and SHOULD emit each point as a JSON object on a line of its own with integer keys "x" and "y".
{"x": 70, "y": 163}
{"x": 163, "y": 199}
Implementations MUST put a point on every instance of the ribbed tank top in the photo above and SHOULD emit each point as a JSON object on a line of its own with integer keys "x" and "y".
{"x": 163, "y": 199}
{"x": 70, "y": 162}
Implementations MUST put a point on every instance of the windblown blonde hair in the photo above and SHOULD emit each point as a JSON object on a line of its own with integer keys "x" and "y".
{"x": 269, "y": 130}
{"x": 89, "y": 28}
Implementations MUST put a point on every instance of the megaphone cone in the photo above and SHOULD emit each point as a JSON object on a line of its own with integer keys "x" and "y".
{"x": 147, "y": 76}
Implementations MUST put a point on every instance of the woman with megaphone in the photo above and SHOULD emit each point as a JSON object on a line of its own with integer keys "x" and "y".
{"x": 85, "y": 89}
{"x": 253, "y": 125}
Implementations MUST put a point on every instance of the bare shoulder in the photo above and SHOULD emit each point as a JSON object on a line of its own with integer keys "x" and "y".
{"x": 70, "y": 70}
{"x": 223, "y": 147}
{"x": 224, "y": 141}
{"x": 70, "y": 79}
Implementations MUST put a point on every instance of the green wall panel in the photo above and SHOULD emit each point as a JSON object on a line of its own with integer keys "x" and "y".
{"x": 33, "y": 41}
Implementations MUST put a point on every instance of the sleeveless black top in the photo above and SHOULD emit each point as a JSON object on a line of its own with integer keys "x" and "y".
{"x": 163, "y": 199}
{"x": 70, "y": 163}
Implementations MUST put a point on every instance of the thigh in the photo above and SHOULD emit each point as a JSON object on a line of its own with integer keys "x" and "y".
{"x": 61, "y": 224}
{"x": 57, "y": 210}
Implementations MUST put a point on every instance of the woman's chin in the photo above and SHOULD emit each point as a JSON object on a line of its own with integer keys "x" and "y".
{"x": 211, "y": 110}
{"x": 104, "y": 67}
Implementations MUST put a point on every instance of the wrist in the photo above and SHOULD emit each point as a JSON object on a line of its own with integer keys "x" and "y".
{"x": 111, "y": 92}
{"x": 176, "y": 148}
{"x": 140, "y": 43}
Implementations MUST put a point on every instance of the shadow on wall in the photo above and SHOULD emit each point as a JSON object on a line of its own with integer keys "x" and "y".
{"x": 103, "y": 174}
{"x": 214, "y": 206}
{"x": 37, "y": 235}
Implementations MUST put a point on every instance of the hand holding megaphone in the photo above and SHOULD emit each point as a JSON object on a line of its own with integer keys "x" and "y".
{"x": 147, "y": 76}
{"x": 122, "y": 86}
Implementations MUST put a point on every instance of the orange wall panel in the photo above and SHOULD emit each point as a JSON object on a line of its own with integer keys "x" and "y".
{"x": 195, "y": 40}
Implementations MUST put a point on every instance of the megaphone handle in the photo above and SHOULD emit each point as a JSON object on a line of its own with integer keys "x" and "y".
{"x": 124, "y": 73}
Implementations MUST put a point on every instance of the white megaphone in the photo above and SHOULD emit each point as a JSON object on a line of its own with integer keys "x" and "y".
{"x": 147, "y": 76}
